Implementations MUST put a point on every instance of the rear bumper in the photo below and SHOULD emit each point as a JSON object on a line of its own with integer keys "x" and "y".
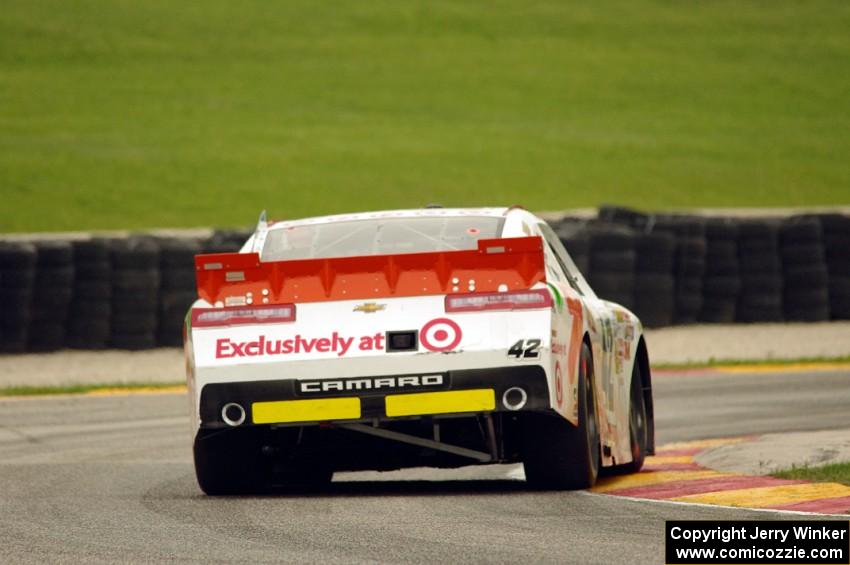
{"x": 294, "y": 402}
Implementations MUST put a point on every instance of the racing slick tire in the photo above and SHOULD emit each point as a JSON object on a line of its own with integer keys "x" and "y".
{"x": 304, "y": 477}
{"x": 638, "y": 430}
{"x": 558, "y": 455}
{"x": 237, "y": 462}
{"x": 230, "y": 462}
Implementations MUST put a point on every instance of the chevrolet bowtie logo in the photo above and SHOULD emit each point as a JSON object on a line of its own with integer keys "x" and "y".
{"x": 369, "y": 307}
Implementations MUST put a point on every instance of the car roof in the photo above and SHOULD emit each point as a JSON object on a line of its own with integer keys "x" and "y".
{"x": 413, "y": 213}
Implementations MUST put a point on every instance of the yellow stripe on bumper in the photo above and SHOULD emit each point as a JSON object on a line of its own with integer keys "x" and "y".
{"x": 449, "y": 402}
{"x": 313, "y": 410}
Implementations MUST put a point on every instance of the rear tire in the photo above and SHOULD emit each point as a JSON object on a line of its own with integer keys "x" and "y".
{"x": 638, "y": 427}
{"x": 229, "y": 462}
{"x": 557, "y": 454}
{"x": 305, "y": 476}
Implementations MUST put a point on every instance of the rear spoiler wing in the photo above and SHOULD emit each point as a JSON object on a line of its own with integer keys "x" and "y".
{"x": 237, "y": 279}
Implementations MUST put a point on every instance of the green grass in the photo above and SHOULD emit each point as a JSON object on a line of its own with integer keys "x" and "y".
{"x": 80, "y": 388}
{"x": 832, "y": 473}
{"x": 152, "y": 113}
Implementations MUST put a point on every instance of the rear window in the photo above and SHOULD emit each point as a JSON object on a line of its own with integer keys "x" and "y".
{"x": 382, "y": 236}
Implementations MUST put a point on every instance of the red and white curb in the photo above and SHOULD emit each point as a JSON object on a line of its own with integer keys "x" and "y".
{"x": 674, "y": 475}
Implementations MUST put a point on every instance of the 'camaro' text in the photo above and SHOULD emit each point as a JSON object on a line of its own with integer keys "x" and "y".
{"x": 369, "y": 383}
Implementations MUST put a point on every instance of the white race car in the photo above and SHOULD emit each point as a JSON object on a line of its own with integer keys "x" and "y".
{"x": 434, "y": 337}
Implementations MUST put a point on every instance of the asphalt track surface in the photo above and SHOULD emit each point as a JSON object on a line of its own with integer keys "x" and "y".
{"x": 110, "y": 480}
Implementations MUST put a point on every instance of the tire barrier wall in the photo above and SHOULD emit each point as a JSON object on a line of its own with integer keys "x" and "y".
{"x": 90, "y": 313}
{"x": 133, "y": 293}
{"x": 836, "y": 243}
{"x": 124, "y": 293}
{"x": 691, "y": 269}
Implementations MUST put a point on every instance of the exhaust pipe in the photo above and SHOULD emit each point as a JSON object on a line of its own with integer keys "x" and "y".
{"x": 514, "y": 398}
{"x": 233, "y": 414}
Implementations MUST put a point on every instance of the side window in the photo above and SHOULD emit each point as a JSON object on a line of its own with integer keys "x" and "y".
{"x": 551, "y": 264}
{"x": 565, "y": 261}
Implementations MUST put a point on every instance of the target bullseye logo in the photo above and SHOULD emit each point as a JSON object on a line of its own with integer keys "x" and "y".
{"x": 440, "y": 334}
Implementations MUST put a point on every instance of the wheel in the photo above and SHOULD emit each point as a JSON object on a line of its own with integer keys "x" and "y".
{"x": 559, "y": 455}
{"x": 638, "y": 430}
{"x": 304, "y": 476}
{"x": 229, "y": 462}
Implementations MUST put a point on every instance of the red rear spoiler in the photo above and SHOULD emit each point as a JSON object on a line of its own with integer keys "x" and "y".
{"x": 230, "y": 277}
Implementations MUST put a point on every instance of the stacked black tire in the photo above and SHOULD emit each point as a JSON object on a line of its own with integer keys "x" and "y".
{"x": 612, "y": 263}
{"x": 91, "y": 306}
{"x": 760, "y": 299}
{"x": 135, "y": 293}
{"x": 722, "y": 279}
{"x": 17, "y": 273}
{"x": 836, "y": 243}
{"x": 52, "y": 289}
{"x": 688, "y": 264}
{"x": 177, "y": 288}
{"x": 654, "y": 281}
{"x": 629, "y": 217}
{"x": 806, "y": 291}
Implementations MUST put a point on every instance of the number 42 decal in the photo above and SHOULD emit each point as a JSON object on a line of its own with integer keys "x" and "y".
{"x": 525, "y": 348}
